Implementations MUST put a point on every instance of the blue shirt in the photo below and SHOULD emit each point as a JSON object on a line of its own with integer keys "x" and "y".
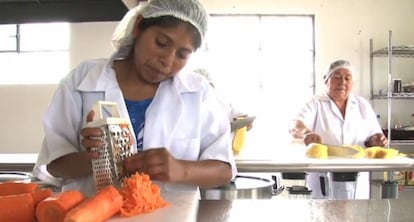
{"x": 136, "y": 111}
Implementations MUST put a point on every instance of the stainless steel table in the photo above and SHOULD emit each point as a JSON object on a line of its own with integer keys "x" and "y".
{"x": 301, "y": 164}
{"x": 381, "y": 210}
{"x": 23, "y": 162}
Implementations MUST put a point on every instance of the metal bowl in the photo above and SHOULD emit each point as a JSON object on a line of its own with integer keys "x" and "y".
{"x": 243, "y": 187}
{"x": 15, "y": 176}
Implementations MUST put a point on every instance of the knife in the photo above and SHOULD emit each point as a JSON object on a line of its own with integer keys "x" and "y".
{"x": 341, "y": 151}
{"x": 242, "y": 122}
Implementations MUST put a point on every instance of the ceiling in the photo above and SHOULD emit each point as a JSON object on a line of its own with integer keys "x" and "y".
{"x": 35, "y": 11}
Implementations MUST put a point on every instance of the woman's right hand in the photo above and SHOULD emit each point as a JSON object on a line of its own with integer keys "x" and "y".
{"x": 298, "y": 129}
{"x": 78, "y": 164}
{"x": 312, "y": 138}
{"x": 91, "y": 138}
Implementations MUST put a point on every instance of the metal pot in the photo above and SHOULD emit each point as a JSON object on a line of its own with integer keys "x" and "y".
{"x": 15, "y": 176}
{"x": 243, "y": 187}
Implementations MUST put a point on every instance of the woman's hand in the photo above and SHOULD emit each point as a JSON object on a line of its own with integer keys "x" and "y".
{"x": 298, "y": 129}
{"x": 377, "y": 139}
{"x": 91, "y": 138}
{"x": 312, "y": 138}
{"x": 158, "y": 163}
{"x": 78, "y": 164}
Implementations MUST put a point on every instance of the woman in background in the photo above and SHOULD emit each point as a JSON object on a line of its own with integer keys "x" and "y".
{"x": 339, "y": 117}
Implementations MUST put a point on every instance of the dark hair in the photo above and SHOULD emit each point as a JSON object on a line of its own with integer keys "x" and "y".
{"x": 170, "y": 21}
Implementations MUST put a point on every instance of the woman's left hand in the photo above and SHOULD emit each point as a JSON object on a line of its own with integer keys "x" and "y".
{"x": 377, "y": 139}
{"x": 158, "y": 163}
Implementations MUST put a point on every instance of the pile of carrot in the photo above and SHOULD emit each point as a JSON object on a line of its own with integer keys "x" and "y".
{"x": 54, "y": 208}
{"x": 18, "y": 201}
{"x": 13, "y": 188}
{"x": 140, "y": 195}
{"x": 27, "y": 202}
{"x": 98, "y": 208}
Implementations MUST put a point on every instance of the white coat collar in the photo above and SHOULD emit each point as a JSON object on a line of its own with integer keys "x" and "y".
{"x": 102, "y": 78}
{"x": 351, "y": 99}
{"x": 351, "y": 103}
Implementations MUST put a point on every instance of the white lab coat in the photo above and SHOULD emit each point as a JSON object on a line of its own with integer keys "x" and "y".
{"x": 323, "y": 117}
{"x": 184, "y": 116}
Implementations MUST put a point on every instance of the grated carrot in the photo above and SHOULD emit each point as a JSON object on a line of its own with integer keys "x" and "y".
{"x": 140, "y": 195}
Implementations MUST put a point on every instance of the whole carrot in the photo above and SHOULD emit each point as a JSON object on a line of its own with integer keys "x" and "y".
{"x": 17, "y": 208}
{"x": 106, "y": 203}
{"x": 54, "y": 208}
{"x": 40, "y": 195}
{"x": 12, "y": 188}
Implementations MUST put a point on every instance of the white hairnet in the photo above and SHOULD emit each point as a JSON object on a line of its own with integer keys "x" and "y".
{"x": 186, "y": 10}
{"x": 338, "y": 64}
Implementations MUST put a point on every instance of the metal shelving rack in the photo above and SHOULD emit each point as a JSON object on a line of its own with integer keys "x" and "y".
{"x": 390, "y": 187}
{"x": 390, "y": 52}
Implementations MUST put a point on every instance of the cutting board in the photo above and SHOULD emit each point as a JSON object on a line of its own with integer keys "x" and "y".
{"x": 304, "y": 161}
{"x": 280, "y": 164}
{"x": 183, "y": 208}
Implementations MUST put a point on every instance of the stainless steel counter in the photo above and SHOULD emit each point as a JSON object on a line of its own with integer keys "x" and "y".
{"x": 23, "y": 162}
{"x": 301, "y": 164}
{"x": 305, "y": 210}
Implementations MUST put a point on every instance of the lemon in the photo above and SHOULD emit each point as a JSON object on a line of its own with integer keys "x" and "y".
{"x": 377, "y": 152}
{"x": 317, "y": 150}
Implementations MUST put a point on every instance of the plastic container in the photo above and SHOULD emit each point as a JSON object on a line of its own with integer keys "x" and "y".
{"x": 108, "y": 168}
{"x": 412, "y": 120}
{"x": 397, "y": 86}
{"x": 294, "y": 179}
{"x": 299, "y": 192}
{"x": 342, "y": 185}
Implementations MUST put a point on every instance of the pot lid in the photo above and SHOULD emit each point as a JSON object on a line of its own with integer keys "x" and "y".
{"x": 247, "y": 182}
{"x": 14, "y": 176}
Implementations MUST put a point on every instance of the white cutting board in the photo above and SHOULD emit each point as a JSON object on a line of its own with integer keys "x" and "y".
{"x": 397, "y": 161}
{"x": 183, "y": 207}
{"x": 304, "y": 161}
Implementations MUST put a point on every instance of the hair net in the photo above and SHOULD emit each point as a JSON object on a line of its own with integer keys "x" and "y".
{"x": 338, "y": 64}
{"x": 186, "y": 10}
{"x": 206, "y": 75}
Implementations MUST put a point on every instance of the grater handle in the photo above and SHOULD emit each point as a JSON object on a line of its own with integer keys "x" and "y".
{"x": 97, "y": 109}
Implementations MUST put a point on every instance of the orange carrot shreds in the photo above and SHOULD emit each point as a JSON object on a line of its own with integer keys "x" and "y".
{"x": 140, "y": 195}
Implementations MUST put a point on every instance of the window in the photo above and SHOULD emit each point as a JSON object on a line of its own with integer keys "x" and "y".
{"x": 263, "y": 64}
{"x": 34, "y": 53}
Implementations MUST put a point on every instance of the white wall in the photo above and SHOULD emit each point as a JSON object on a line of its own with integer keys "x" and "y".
{"x": 90, "y": 40}
{"x": 343, "y": 30}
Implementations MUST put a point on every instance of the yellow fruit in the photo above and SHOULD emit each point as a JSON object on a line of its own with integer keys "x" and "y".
{"x": 377, "y": 152}
{"x": 316, "y": 150}
{"x": 239, "y": 139}
{"x": 361, "y": 152}
{"x": 391, "y": 153}
{"x": 373, "y": 152}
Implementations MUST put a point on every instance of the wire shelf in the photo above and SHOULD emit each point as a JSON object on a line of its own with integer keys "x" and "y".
{"x": 399, "y": 51}
{"x": 395, "y": 96}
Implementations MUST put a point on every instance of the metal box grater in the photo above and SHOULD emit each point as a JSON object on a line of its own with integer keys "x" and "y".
{"x": 117, "y": 139}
